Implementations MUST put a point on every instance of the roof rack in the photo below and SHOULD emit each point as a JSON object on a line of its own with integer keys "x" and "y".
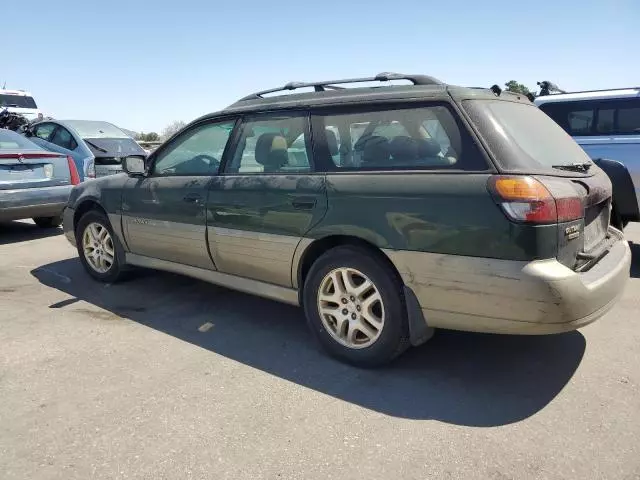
{"x": 331, "y": 84}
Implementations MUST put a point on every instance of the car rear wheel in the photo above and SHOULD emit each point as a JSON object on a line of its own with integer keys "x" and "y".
{"x": 354, "y": 307}
{"x": 98, "y": 247}
{"x": 48, "y": 222}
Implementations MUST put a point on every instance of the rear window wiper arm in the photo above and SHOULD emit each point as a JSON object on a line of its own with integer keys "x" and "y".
{"x": 574, "y": 167}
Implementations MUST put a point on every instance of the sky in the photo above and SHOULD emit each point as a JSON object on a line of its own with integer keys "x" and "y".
{"x": 144, "y": 64}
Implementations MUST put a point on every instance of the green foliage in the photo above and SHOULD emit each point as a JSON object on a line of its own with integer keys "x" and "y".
{"x": 513, "y": 86}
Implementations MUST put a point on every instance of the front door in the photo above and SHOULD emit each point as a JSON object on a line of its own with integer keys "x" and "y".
{"x": 164, "y": 213}
{"x": 266, "y": 200}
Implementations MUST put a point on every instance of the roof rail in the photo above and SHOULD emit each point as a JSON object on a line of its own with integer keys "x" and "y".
{"x": 331, "y": 84}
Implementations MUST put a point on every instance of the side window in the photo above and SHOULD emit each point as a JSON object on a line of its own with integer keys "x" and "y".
{"x": 272, "y": 145}
{"x": 44, "y": 131}
{"x": 580, "y": 122}
{"x": 63, "y": 138}
{"x": 606, "y": 120}
{"x": 196, "y": 152}
{"x": 417, "y": 138}
{"x": 629, "y": 118}
{"x": 611, "y": 117}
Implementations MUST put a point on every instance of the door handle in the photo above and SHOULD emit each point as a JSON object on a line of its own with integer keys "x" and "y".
{"x": 193, "y": 198}
{"x": 303, "y": 203}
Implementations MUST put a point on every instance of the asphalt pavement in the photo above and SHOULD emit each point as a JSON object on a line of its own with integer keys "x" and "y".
{"x": 164, "y": 377}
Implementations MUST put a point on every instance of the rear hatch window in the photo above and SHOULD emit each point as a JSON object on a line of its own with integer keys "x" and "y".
{"x": 522, "y": 138}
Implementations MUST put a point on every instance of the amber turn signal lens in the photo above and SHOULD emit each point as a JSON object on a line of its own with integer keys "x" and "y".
{"x": 516, "y": 189}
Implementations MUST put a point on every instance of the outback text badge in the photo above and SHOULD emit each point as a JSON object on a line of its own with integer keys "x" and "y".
{"x": 572, "y": 232}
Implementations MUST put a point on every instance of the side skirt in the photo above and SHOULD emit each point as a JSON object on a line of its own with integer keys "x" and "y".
{"x": 246, "y": 285}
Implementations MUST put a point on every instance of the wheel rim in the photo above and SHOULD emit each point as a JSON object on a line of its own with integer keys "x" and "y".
{"x": 351, "y": 308}
{"x": 97, "y": 246}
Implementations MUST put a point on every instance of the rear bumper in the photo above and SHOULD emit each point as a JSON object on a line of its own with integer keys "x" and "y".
{"x": 500, "y": 296}
{"x": 67, "y": 225}
{"x": 33, "y": 202}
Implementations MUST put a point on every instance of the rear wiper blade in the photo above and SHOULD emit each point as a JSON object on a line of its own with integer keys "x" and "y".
{"x": 574, "y": 167}
{"x": 96, "y": 146}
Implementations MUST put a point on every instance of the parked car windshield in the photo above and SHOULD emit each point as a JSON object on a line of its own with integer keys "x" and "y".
{"x": 114, "y": 147}
{"x": 96, "y": 129}
{"x": 522, "y": 137}
{"x": 12, "y": 141}
{"x": 21, "y": 101}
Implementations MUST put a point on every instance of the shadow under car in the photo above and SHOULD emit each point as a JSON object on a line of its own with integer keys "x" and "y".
{"x": 459, "y": 378}
{"x": 19, "y": 231}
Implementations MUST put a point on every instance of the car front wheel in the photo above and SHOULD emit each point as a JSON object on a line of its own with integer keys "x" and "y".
{"x": 354, "y": 307}
{"x": 98, "y": 247}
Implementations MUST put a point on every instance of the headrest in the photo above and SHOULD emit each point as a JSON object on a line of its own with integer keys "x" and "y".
{"x": 428, "y": 147}
{"x": 271, "y": 151}
{"x": 332, "y": 142}
{"x": 404, "y": 149}
{"x": 375, "y": 151}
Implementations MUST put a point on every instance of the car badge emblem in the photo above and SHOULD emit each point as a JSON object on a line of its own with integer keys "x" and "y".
{"x": 572, "y": 232}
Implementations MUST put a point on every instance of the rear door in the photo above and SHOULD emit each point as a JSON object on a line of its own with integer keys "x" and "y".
{"x": 164, "y": 214}
{"x": 268, "y": 197}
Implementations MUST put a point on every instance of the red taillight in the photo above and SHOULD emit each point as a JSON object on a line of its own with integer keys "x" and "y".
{"x": 525, "y": 199}
{"x": 569, "y": 209}
{"x": 75, "y": 178}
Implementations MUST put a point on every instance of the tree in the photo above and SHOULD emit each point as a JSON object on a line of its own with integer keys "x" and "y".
{"x": 148, "y": 137}
{"x": 172, "y": 128}
{"x": 513, "y": 86}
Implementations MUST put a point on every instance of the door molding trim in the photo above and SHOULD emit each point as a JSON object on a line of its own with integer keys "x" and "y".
{"x": 246, "y": 285}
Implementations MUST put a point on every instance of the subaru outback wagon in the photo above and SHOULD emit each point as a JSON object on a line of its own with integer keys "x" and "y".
{"x": 385, "y": 211}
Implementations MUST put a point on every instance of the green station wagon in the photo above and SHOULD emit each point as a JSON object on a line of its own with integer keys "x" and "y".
{"x": 384, "y": 210}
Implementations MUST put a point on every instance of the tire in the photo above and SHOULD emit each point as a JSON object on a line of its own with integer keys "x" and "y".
{"x": 108, "y": 248}
{"x": 616, "y": 219}
{"x": 48, "y": 222}
{"x": 385, "y": 340}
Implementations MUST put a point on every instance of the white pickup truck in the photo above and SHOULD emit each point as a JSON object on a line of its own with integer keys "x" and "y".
{"x": 19, "y": 101}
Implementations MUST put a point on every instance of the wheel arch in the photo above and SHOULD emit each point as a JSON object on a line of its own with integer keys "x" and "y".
{"x": 419, "y": 331}
{"x": 85, "y": 206}
{"x": 318, "y": 247}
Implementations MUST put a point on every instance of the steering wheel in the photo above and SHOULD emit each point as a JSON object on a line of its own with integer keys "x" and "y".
{"x": 197, "y": 162}
{"x": 212, "y": 161}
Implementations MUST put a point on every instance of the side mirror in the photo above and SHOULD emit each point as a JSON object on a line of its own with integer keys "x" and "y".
{"x": 134, "y": 165}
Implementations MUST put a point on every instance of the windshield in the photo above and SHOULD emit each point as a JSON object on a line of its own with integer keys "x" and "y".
{"x": 94, "y": 129}
{"x": 12, "y": 141}
{"x": 21, "y": 101}
{"x": 114, "y": 147}
{"x": 522, "y": 137}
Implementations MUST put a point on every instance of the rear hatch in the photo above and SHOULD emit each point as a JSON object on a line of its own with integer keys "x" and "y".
{"x": 526, "y": 144}
{"x": 35, "y": 169}
{"x": 109, "y": 152}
